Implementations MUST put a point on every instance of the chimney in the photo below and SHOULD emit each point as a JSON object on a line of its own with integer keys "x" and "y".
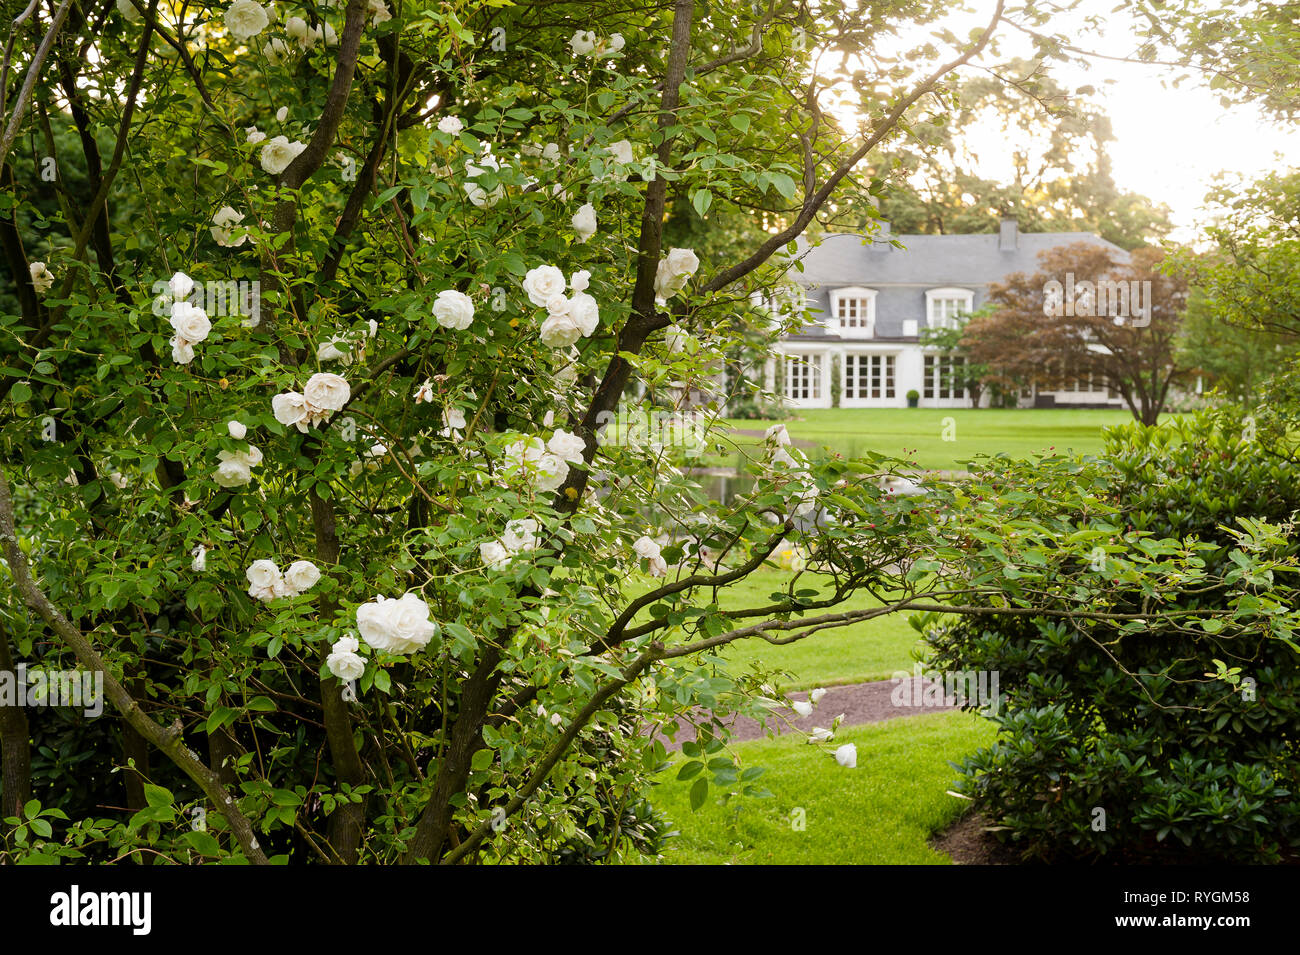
{"x": 880, "y": 238}
{"x": 1008, "y": 234}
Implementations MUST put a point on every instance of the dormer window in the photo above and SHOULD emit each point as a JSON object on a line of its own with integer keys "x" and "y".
{"x": 853, "y": 312}
{"x": 943, "y": 305}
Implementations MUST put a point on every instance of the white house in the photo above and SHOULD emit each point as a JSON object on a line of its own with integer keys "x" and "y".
{"x": 868, "y": 301}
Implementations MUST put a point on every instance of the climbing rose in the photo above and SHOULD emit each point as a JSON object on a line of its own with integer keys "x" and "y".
{"x": 584, "y": 222}
{"x": 450, "y": 125}
{"x": 847, "y": 756}
{"x": 453, "y": 309}
{"x": 543, "y": 284}
{"x": 224, "y": 225}
{"x": 397, "y": 626}
{"x": 245, "y": 19}
{"x": 278, "y": 153}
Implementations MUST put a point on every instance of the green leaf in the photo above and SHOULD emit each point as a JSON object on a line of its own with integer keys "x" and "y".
{"x": 20, "y": 392}
{"x": 699, "y": 792}
{"x": 702, "y": 200}
{"x": 482, "y": 759}
{"x": 157, "y": 796}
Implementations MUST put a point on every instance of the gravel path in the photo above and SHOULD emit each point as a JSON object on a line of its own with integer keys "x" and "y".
{"x": 859, "y": 702}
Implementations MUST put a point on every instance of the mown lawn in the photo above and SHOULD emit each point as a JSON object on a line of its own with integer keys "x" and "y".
{"x": 880, "y": 813}
{"x": 918, "y": 434}
{"x": 871, "y": 650}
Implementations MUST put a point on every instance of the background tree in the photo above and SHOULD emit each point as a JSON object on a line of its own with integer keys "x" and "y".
{"x": 1114, "y": 348}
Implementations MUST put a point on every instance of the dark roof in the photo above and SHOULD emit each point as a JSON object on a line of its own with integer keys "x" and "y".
{"x": 901, "y": 277}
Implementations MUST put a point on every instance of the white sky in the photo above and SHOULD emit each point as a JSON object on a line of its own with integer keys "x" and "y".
{"x": 1170, "y": 143}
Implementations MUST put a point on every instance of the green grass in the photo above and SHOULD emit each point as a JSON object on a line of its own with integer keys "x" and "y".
{"x": 871, "y": 650}
{"x": 880, "y": 813}
{"x": 1019, "y": 432}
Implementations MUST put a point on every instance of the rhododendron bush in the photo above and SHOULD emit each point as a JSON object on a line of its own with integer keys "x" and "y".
{"x": 307, "y": 346}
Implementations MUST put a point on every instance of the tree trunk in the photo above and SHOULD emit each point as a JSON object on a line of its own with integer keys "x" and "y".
{"x": 15, "y": 745}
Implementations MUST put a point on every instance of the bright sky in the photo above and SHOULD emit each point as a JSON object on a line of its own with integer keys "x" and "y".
{"x": 1170, "y": 142}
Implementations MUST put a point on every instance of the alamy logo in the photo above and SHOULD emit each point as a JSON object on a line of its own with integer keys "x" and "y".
{"x": 1124, "y": 302}
{"x": 74, "y": 907}
{"x": 77, "y": 689}
{"x": 657, "y": 429}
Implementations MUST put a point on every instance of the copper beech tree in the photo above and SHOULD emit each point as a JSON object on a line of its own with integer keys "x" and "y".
{"x": 1091, "y": 316}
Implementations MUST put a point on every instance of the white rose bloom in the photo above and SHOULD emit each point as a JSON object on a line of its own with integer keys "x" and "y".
{"x": 224, "y": 227}
{"x": 275, "y": 50}
{"x": 378, "y": 11}
{"x": 543, "y": 284}
{"x": 580, "y": 281}
{"x": 397, "y": 626}
{"x": 250, "y": 458}
{"x": 568, "y": 446}
{"x": 495, "y": 555}
{"x": 584, "y": 222}
{"x": 616, "y": 43}
{"x": 119, "y": 480}
{"x": 816, "y": 695}
{"x": 621, "y": 151}
{"x": 453, "y": 422}
{"x": 182, "y": 351}
{"x": 802, "y": 707}
{"x": 779, "y": 434}
{"x": 254, "y": 135}
{"x": 282, "y": 114}
{"x": 345, "y": 664}
{"x": 297, "y": 29}
{"x": 674, "y": 271}
{"x": 819, "y": 734}
{"x": 847, "y": 756}
{"x": 556, "y": 719}
{"x": 326, "y": 32}
{"x": 264, "y": 580}
{"x": 646, "y": 547}
{"x": 586, "y": 312}
{"x": 129, "y": 11}
{"x": 190, "y": 322}
{"x": 561, "y": 329}
{"x": 327, "y": 392}
{"x": 658, "y": 567}
{"x": 524, "y": 451}
{"x": 552, "y": 472}
{"x": 450, "y": 125}
{"x": 278, "y": 153}
{"x": 424, "y": 393}
{"x": 180, "y": 285}
{"x": 453, "y": 309}
{"x": 346, "y": 645}
{"x": 245, "y": 19}
{"x": 237, "y": 430}
{"x": 583, "y": 43}
{"x": 200, "y": 562}
{"x": 42, "y": 278}
{"x": 290, "y": 408}
{"x": 233, "y": 472}
{"x": 475, "y": 168}
{"x": 520, "y": 535}
{"x": 301, "y": 576}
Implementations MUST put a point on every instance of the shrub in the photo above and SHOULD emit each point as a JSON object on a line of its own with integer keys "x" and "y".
{"x": 1186, "y": 738}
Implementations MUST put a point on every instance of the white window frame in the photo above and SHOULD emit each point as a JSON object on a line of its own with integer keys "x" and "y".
{"x": 864, "y": 326}
{"x": 806, "y": 368}
{"x": 935, "y": 295}
{"x": 875, "y": 373}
